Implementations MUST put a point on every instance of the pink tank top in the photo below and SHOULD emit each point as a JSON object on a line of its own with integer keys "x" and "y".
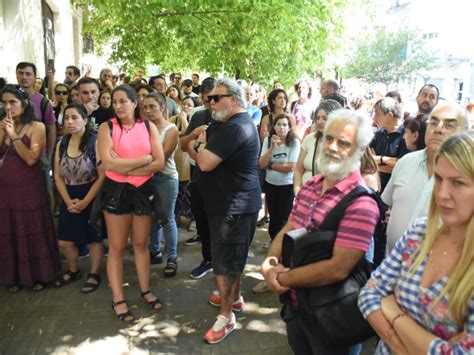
{"x": 131, "y": 143}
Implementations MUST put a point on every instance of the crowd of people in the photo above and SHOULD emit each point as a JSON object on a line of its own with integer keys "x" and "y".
{"x": 119, "y": 158}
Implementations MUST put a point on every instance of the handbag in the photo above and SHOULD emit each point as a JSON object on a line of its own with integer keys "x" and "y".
{"x": 330, "y": 311}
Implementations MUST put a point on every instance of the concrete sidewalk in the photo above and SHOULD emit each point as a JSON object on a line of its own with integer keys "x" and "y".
{"x": 64, "y": 321}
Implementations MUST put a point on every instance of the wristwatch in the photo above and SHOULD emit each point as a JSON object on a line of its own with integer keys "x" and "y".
{"x": 196, "y": 146}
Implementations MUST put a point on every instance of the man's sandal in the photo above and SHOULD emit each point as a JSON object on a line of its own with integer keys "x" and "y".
{"x": 124, "y": 317}
{"x": 72, "y": 277}
{"x": 153, "y": 303}
{"x": 90, "y": 286}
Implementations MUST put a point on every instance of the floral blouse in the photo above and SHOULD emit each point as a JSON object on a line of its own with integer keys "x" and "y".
{"x": 393, "y": 276}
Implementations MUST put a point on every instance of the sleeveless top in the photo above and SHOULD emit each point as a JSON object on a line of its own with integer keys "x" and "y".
{"x": 132, "y": 143}
{"x": 77, "y": 171}
{"x": 170, "y": 165}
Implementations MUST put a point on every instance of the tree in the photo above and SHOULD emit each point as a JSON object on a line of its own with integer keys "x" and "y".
{"x": 389, "y": 57}
{"x": 264, "y": 39}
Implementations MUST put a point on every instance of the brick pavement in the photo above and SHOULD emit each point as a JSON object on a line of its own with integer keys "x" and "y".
{"x": 64, "y": 321}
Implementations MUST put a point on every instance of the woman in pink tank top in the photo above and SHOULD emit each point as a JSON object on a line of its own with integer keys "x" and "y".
{"x": 131, "y": 153}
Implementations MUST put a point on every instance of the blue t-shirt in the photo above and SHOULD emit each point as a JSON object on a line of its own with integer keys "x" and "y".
{"x": 255, "y": 114}
{"x": 232, "y": 187}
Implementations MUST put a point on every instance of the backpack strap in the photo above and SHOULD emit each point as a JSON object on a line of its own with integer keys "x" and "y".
{"x": 90, "y": 148}
{"x": 43, "y": 107}
{"x": 63, "y": 144}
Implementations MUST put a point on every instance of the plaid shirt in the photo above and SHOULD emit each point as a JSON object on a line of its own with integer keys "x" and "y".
{"x": 393, "y": 276}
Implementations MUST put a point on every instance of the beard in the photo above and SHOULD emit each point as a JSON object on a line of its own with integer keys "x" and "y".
{"x": 67, "y": 81}
{"x": 220, "y": 115}
{"x": 338, "y": 170}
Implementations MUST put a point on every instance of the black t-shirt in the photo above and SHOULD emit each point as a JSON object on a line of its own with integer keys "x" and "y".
{"x": 101, "y": 115}
{"x": 196, "y": 89}
{"x": 232, "y": 187}
{"x": 198, "y": 118}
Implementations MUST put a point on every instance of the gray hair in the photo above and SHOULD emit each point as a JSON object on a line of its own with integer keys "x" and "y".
{"x": 361, "y": 122}
{"x": 388, "y": 104}
{"x": 461, "y": 113}
{"x": 233, "y": 89}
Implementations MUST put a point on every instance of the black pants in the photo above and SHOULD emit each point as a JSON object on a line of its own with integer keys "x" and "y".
{"x": 280, "y": 202}
{"x": 202, "y": 225}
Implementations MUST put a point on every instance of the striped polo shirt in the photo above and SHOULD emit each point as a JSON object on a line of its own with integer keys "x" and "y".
{"x": 360, "y": 218}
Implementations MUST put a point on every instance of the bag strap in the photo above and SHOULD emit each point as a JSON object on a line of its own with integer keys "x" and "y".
{"x": 318, "y": 137}
{"x": 43, "y": 106}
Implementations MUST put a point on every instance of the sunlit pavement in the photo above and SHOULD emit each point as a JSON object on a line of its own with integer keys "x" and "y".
{"x": 64, "y": 321}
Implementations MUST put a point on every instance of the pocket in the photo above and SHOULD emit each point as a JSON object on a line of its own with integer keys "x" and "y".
{"x": 232, "y": 230}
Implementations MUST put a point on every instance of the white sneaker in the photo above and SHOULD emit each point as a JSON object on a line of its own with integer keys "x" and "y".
{"x": 251, "y": 254}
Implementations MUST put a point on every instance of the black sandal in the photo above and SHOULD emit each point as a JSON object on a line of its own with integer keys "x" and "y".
{"x": 90, "y": 285}
{"x": 123, "y": 316}
{"x": 73, "y": 276}
{"x": 171, "y": 268}
{"x": 152, "y": 304}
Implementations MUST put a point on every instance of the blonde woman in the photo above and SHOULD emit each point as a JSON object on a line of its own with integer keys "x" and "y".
{"x": 421, "y": 298}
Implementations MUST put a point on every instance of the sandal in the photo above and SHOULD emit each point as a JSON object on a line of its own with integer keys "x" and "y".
{"x": 39, "y": 286}
{"x": 14, "y": 288}
{"x": 91, "y": 286}
{"x": 171, "y": 268}
{"x": 72, "y": 277}
{"x": 153, "y": 303}
{"x": 124, "y": 317}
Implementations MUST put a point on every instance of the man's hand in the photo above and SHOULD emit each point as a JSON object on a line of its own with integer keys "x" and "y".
{"x": 198, "y": 130}
{"x": 270, "y": 269}
{"x": 91, "y": 107}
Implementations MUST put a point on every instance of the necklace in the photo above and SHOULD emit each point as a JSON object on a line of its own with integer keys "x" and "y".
{"x": 130, "y": 128}
{"x": 436, "y": 268}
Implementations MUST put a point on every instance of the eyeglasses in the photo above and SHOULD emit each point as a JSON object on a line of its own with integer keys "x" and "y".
{"x": 216, "y": 98}
{"x": 449, "y": 124}
{"x": 64, "y": 93}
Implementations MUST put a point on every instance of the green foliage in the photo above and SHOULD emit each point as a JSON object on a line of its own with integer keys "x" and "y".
{"x": 389, "y": 57}
{"x": 266, "y": 39}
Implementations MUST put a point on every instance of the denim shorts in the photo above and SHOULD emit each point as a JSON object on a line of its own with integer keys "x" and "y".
{"x": 231, "y": 236}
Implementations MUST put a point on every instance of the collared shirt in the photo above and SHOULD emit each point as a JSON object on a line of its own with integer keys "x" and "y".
{"x": 403, "y": 192}
{"x": 360, "y": 218}
{"x": 396, "y": 277}
{"x": 389, "y": 145}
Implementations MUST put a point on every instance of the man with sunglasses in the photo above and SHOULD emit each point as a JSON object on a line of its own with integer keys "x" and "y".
{"x": 72, "y": 75}
{"x": 227, "y": 154}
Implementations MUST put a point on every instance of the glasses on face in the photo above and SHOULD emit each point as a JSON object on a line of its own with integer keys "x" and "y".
{"x": 216, "y": 98}
{"x": 64, "y": 93}
{"x": 449, "y": 124}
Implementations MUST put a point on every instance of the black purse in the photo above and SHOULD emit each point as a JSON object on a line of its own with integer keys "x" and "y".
{"x": 330, "y": 311}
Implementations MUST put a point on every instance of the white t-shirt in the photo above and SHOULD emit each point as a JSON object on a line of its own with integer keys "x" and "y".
{"x": 404, "y": 191}
{"x": 170, "y": 165}
{"x": 281, "y": 155}
{"x": 308, "y": 145}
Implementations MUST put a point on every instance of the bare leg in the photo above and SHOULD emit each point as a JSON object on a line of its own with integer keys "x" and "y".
{"x": 141, "y": 227}
{"x": 228, "y": 286}
{"x": 71, "y": 253}
{"x": 118, "y": 227}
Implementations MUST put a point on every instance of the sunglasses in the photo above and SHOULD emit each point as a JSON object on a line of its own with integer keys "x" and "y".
{"x": 216, "y": 98}
{"x": 65, "y": 93}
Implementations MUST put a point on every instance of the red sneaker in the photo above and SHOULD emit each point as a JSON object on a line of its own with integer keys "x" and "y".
{"x": 221, "y": 328}
{"x": 237, "y": 306}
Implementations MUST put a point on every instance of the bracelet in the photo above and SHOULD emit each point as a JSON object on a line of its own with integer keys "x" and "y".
{"x": 381, "y": 160}
{"x": 147, "y": 161}
{"x": 270, "y": 166}
{"x": 16, "y": 139}
{"x": 400, "y": 315}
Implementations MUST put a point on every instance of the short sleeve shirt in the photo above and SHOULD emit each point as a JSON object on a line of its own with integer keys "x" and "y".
{"x": 48, "y": 118}
{"x": 233, "y": 186}
{"x": 281, "y": 155}
{"x": 360, "y": 218}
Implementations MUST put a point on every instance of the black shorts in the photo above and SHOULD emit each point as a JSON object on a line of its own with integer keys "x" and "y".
{"x": 123, "y": 198}
{"x": 231, "y": 236}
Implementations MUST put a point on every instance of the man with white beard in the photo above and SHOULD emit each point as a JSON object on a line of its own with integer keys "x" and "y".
{"x": 346, "y": 136}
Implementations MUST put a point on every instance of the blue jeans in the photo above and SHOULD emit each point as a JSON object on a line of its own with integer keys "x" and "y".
{"x": 168, "y": 188}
